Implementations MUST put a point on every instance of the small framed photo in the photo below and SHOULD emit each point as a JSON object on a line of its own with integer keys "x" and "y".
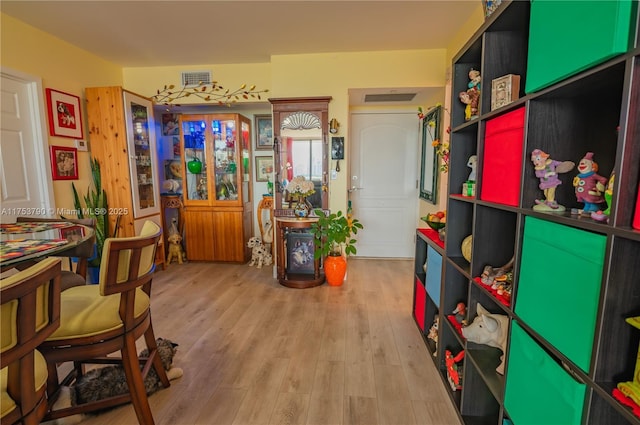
{"x": 264, "y": 132}
{"x": 264, "y": 168}
{"x": 170, "y": 125}
{"x": 172, "y": 169}
{"x": 64, "y": 163}
{"x": 504, "y": 90}
{"x": 65, "y": 118}
{"x": 72, "y": 233}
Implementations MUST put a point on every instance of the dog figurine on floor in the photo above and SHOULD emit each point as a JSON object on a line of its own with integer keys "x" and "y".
{"x": 258, "y": 253}
{"x": 175, "y": 248}
{"x": 104, "y": 382}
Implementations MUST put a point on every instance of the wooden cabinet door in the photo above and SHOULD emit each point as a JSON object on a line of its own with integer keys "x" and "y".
{"x": 228, "y": 242}
{"x": 199, "y": 229}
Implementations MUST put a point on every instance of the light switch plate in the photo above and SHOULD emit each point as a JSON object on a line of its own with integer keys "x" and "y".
{"x": 334, "y": 174}
{"x": 81, "y": 145}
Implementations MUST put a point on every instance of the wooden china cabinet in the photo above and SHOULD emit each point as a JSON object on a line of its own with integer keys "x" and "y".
{"x": 218, "y": 206}
{"x": 123, "y": 140}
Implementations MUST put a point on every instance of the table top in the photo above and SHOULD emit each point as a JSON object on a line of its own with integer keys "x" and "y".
{"x": 27, "y": 241}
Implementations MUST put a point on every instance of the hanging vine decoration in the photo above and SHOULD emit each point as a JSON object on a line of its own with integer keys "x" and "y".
{"x": 209, "y": 92}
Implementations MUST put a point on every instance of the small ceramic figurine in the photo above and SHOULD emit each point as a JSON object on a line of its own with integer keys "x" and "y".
{"x": 471, "y": 163}
{"x": 471, "y": 97}
{"x": 608, "y": 194}
{"x": 589, "y": 185}
{"x": 628, "y": 393}
{"x": 461, "y": 313}
{"x": 547, "y": 171}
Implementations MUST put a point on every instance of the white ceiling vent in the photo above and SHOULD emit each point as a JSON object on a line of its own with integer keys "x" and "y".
{"x": 389, "y": 97}
{"x": 194, "y": 78}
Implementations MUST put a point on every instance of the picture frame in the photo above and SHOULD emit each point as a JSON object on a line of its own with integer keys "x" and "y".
{"x": 65, "y": 116}
{"x": 264, "y": 168}
{"x": 429, "y": 162}
{"x": 64, "y": 163}
{"x": 300, "y": 250}
{"x": 504, "y": 90}
{"x": 72, "y": 233}
{"x": 172, "y": 169}
{"x": 170, "y": 125}
{"x": 264, "y": 132}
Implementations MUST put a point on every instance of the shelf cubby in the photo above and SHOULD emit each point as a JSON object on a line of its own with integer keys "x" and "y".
{"x": 479, "y": 406}
{"x": 461, "y": 213}
{"x": 494, "y": 238}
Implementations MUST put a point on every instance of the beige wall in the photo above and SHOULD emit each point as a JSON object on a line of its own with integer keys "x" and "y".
{"x": 63, "y": 67}
{"x": 330, "y": 74}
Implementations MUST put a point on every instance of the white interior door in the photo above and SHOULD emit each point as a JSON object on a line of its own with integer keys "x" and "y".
{"x": 25, "y": 186}
{"x": 383, "y": 186}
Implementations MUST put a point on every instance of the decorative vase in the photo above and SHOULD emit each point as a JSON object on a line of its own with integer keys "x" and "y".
{"x": 195, "y": 166}
{"x": 335, "y": 268}
{"x": 301, "y": 208}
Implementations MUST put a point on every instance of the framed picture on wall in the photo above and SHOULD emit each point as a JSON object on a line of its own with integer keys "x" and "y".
{"x": 264, "y": 168}
{"x": 65, "y": 119}
{"x": 170, "y": 125}
{"x": 64, "y": 163}
{"x": 264, "y": 132}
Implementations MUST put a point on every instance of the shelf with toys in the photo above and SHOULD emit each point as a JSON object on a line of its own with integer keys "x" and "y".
{"x": 548, "y": 241}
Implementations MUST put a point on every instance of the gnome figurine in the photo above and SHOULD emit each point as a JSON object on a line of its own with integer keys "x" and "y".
{"x": 589, "y": 185}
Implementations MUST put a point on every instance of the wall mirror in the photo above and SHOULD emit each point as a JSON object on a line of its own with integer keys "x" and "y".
{"x": 430, "y": 130}
{"x": 300, "y": 127}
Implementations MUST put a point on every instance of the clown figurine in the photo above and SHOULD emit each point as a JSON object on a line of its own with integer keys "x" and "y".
{"x": 589, "y": 185}
{"x": 547, "y": 171}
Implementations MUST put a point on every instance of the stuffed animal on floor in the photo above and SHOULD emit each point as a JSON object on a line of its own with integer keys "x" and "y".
{"x": 259, "y": 254}
{"x": 109, "y": 381}
{"x": 175, "y": 248}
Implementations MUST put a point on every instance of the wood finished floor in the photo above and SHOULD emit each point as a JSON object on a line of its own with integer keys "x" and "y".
{"x": 255, "y": 352}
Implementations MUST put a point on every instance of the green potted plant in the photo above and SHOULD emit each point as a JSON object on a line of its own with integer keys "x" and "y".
{"x": 333, "y": 236}
{"x": 95, "y": 206}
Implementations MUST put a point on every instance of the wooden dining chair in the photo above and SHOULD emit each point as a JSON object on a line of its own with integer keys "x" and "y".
{"x": 30, "y": 312}
{"x": 83, "y": 253}
{"x": 98, "y": 320}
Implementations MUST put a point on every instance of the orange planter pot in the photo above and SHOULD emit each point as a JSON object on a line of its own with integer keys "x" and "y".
{"x": 335, "y": 269}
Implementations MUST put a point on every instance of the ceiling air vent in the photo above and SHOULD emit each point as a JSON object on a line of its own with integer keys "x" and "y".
{"x": 194, "y": 78}
{"x": 389, "y": 97}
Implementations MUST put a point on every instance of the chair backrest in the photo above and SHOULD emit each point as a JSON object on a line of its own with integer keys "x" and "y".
{"x": 128, "y": 263}
{"x": 29, "y": 312}
{"x": 30, "y": 309}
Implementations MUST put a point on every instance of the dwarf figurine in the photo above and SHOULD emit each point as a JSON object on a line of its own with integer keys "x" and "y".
{"x": 589, "y": 185}
{"x": 547, "y": 171}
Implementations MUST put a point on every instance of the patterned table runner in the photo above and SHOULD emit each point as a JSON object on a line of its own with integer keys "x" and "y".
{"x": 32, "y": 227}
{"x": 20, "y": 247}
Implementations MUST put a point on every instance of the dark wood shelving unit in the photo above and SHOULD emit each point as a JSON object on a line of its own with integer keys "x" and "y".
{"x": 594, "y": 108}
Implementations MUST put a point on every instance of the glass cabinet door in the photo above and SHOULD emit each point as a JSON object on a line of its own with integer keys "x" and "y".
{"x": 142, "y": 161}
{"x": 246, "y": 155}
{"x": 195, "y": 160}
{"x": 225, "y": 148}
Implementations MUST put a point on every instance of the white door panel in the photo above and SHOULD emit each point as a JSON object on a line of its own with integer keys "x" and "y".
{"x": 384, "y": 194}
{"x": 24, "y": 168}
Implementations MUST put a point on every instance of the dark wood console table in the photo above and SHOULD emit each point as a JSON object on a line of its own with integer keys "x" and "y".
{"x": 287, "y": 276}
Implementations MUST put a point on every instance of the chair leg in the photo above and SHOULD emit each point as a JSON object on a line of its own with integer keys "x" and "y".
{"x": 134, "y": 381}
{"x": 152, "y": 345}
{"x": 53, "y": 383}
